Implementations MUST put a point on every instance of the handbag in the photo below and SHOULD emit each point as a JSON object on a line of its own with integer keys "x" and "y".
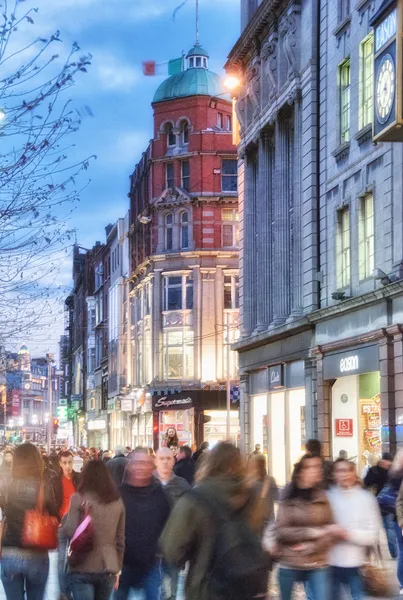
{"x": 40, "y": 529}
{"x": 82, "y": 541}
{"x": 375, "y": 577}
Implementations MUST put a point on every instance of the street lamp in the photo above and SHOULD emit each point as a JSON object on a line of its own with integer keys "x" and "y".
{"x": 232, "y": 82}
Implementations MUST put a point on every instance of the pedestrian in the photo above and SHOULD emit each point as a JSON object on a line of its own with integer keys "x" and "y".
{"x": 147, "y": 510}
{"x": 375, "y": 481}
{"x": 174, "y": 487}
{"x": 24, "y": 571}
{"x": 5, "y": 473}
{"x": 190, "y": 534}
{"x": 98, "y": 572}
{"x": 304, "y": 532}
{"x": 392, "y": 488}
{"x": 64, "y": 486}
{"x": 127, "y": 450}
{"x": 185, "y": 466}
{"x": 170, "y": 438}
{"x": 93, "y": 454}
{"x": 118, "y": 465}
{"x": 263, "y": 486}
{"x": 356, "y": 511}
{"x": 257, "y": 450}
{"x": 106, "y": 456}
{"x": 202, "y": 449}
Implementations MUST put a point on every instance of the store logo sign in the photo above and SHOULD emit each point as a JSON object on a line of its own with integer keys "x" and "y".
{"x": 165, "y": 402}
{"x": 349, "y": 364}
{"x": 386, "y": 30}
{"x": 276, "y": 377}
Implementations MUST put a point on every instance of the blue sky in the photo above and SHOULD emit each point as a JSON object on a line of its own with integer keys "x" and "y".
{"x": 120, "y": 34}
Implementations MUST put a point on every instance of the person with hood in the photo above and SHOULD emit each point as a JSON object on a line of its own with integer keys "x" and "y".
{"x": 147, "y": 510}
{"x": 118, "y": 465}
{"x": 304, "y": 531}
{"x": 190, "y": 534}
{"x": 375, "y": 481}
{"x": 185, "y": 466}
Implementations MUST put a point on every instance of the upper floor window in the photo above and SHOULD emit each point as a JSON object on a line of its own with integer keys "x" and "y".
{"x": 231, "y": 291}
{"x": 99, "y": 275}
{"x": 169, "y": 221}
{"x": 184, "y": 230}
{"x": 220, "y": 120}
{"x": 345, "y": 89}
{"x": 170, "y": 175}
{"x": 171, "y": 137}
{"x": 229, "y": 176}
{"x": 185, "y": 166}
{"x": 366, "y": 237}
{"x": 178, "y": 354}
{"x": 198, "y": 61}
{"x": 343, "y": 248}
{"x": 228, "y": 122}
{"x": 191, "y": 62}
{"x": 185, "y": 132}
{"x": 178, "y": 292}
{"x": 343, "y": 9}
{"x": 366, "y": 78}
{"x": 230, "y": 234}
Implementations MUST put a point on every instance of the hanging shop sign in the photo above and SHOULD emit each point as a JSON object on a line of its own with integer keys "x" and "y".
{"x": 15, "y": 402}
{"x": 351, "y": 362}
{"x": 344, "y": 427}
{"x": 276, "y": 377}
{"x": 127, "y": 405}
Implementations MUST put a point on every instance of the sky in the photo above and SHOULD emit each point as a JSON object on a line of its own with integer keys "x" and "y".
{"x": 120, "y": 34}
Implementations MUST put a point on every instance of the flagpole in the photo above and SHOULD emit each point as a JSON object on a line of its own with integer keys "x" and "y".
{"x": 197, "y": 22}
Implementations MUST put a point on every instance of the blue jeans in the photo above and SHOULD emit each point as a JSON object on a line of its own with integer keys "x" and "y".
{"x": 389, "y": 525}
{"x": 149, "y": 583}
{"x": 399, "y": 539}
{"x": 20, "y": 575}
{"x": 91, "y": 586}
{"x": 62, "y": 546}
{"x": 343, "y": 577}
{"x": 315, "y": 581}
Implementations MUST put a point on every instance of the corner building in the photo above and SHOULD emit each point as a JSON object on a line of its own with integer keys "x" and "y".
{"x": 184, "y": 285}
{"x": 320, "y": 206}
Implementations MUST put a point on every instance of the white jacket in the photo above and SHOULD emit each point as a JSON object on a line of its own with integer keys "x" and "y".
{"x": 357, "y": 511}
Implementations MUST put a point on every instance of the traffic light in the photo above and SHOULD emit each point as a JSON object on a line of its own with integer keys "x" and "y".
{"x": 55, "y": 425}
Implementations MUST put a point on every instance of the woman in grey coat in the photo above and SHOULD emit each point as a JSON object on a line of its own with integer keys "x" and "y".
{"x": 98, "y": 571}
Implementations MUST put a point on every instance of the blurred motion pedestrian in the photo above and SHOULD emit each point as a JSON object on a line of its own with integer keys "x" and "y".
{"x": 117, "y": 465}
{"x": 24, "y": 571}
{"x": 185, "y": 466}
{"x": 95, "y": 576}
{"x": 375, "y": 481}
{"x": 199, "y": 453}
{"x": 264, "y": 487}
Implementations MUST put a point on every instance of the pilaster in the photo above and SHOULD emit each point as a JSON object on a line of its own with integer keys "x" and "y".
{"x": 297, "y": 263}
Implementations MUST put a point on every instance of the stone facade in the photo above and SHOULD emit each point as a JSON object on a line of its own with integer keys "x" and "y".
{"x": 298, "y": 171}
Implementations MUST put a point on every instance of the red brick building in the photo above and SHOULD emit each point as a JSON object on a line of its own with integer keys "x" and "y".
{"x": 184, "y": 250}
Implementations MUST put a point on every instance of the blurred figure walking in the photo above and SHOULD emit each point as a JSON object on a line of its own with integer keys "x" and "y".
{"x": 375, "y": 481}
{"x": 185, "y": 465}
{"x": 118, "y": 465}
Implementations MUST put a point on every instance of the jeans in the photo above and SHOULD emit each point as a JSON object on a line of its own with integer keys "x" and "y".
{"x": 399, "y": 539}
{"x": 62, "y": 546}
{"x": 389, "y": 525}
{"x": 91, "y": 586}
{"x": 149, "y": 583}
{"x": 316, "y": 580}
{"x": 173, "y": 573}
{"x": 343, "y": 577}
{"x": 20, "y": 575}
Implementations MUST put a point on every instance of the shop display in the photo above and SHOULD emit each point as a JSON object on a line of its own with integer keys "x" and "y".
{"x": 370, "y": 426}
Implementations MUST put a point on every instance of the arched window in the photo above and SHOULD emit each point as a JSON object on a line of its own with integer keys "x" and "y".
{"x": 169, "y": 221}
{"x": 184, "y": 223}
{"x": 185, "y": 132}
{"x": 171, "y": 137}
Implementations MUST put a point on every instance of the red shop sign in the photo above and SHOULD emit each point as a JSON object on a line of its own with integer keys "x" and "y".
{"x": 344, "y": 427}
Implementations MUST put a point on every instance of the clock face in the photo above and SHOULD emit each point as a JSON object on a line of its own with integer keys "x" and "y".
{"x": 385, "y": 88}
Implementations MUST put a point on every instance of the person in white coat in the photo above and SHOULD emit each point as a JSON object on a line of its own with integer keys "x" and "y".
{"x": 356, "y": 511}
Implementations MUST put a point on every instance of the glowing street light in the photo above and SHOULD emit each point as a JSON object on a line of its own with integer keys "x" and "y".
{"x": 232, "y": 82}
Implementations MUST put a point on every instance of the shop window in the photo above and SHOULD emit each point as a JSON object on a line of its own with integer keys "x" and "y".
{"x": 178, "y": 354}
{"x": 345, "y": 90}
{"x": 184, "y": 230}
{"x": 366, "y": 237}
{"x": 185, "y": 166}
{"x": 230, "y": 231}
{"x": 178, "y": 292}
{"x": 231, "y": 291}
{"x": 170, "y": 175}
{"x": 171, "y": 137}
{"x": 343, "y": 248}
{"x": 169, "y": 221}
{"x": 229, "y": 175}
{"x": 366, "y": 81}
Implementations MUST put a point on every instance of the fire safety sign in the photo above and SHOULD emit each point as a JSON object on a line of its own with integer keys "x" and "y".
{"x": 344, "y": 427}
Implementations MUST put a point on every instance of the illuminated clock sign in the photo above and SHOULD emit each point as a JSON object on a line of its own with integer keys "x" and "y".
{"x": 386, "y": 30}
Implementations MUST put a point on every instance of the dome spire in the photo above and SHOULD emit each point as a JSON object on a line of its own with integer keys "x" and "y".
{"x": 197, "y": 23}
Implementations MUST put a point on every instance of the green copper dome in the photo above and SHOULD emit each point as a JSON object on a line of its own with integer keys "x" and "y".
{"x": 192, "y": 82}
{"x": 197, "y": 50}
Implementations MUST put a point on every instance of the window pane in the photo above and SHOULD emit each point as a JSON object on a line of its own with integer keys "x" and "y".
{"x": 184, "y": 236}
{"x": 189, "y": 362}
{"x": 184, "y": 217}
{"x": 175, "y": 363}
{"x": 185, "y": 168}
{"x": 228, "y": 235}
{"x": 175, "y": 281}
{"x": 169, "y": 233}
{"x": 227, "y": 297}
{"x": 174, "y": 298}
{"x": 345, "y": 102}
{"x": 189, "y": 295}
{"x": 229, "y": 167}
{"x": 198, "y": 61}
{"x": 170, "y": 175}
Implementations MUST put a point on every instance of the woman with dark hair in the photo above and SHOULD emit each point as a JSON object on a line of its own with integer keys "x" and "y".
{"x": 25, "y": 570}
{"x": 97, "y": 495}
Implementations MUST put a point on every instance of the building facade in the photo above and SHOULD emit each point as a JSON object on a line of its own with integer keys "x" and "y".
{"x": 184, "y": 258}
{"x": 320, "y": 234}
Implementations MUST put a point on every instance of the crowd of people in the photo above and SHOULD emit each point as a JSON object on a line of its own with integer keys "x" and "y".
{"x": 140, "y": 520}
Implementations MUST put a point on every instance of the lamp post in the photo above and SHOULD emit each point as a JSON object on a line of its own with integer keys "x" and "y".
{"x": 50, "y": 358}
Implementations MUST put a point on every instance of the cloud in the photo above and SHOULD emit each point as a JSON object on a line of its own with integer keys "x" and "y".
{"x": 111, "y": 74}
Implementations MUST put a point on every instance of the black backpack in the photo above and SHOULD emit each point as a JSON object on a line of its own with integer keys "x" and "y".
{"x": 239, "y": 567}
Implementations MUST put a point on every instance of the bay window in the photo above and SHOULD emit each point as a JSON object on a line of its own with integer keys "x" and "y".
{"x": 178, "y": 292}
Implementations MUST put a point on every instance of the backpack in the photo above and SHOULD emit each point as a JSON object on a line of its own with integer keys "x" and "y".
{"x": 239, "y": 566}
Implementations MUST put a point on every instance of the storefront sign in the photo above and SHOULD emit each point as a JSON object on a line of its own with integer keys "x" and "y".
{"x": 127, "y": 405}
{"x": 358, "y": 360}
{"x": 386, "y": 30}
{"x": 344, "y": 427}
{"x": 97, "y": 424}
{"x": 15, "y": 403}
{"x": 276, "y": 377}
{"x": 168, "y": 403}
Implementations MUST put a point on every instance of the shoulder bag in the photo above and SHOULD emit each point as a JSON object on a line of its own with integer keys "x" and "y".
{"x": 40, "y": 529}
{"x": 375, "y": 576}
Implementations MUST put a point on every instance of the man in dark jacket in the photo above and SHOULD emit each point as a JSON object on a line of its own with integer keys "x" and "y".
{"x": 375, "y": 480}
{"x": 117, "y": 465}
{"x": 147, "y": 510}
{"x": 185, "y": 466}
